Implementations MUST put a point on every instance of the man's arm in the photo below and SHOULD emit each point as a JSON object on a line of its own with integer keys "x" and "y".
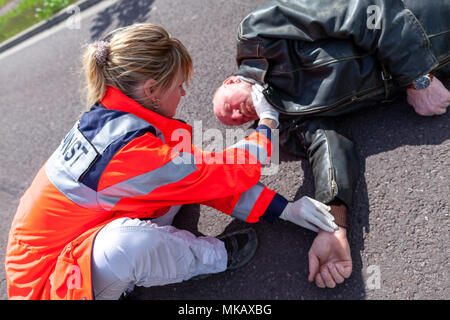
{"x": 335, "y": 168}
{"x": 399, "y": 43}
{"x": 334, "y": 164}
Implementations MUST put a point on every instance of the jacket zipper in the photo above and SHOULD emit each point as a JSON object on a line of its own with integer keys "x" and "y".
{"x": 342, "y": 101}
{"x": 333, "y": 184}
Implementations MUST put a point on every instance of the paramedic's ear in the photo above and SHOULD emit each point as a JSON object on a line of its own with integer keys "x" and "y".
{"x": 149, "y": 88}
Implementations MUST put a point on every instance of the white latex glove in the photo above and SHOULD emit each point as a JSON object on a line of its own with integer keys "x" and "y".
{"x": 310, "y": 214}
{"x": 433, "y": 100}
{"x": 263, "y": 109}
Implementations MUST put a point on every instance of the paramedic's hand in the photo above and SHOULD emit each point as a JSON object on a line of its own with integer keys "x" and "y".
{"x": 310, "y": 214}
{"x": 433, "y": 100}
{"x": 330, "y": 261}
{"x": 263, "y": 109}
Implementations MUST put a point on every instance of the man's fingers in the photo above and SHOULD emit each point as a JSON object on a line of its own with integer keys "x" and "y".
{"x": 332, "y": 274}
{"x": 424, "y": 112}
{"x": 313, "y": 266}
{"x": 335, "y": 273}
{"x": 441, "y": 111}
{"x": 319, "y": 281}
{"x": 326, "y": 276}
{"x": 344, "y": 268}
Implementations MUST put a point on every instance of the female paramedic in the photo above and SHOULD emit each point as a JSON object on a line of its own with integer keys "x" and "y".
{"x": 96, "y": 220}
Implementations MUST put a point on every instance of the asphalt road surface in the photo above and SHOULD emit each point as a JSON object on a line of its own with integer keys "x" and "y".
{"x": 399, "y": 233}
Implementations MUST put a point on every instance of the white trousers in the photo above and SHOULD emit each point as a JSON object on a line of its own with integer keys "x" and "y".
{"x": 129, "y": 252}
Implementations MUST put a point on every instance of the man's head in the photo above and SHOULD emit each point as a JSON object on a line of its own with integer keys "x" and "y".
{"x": 233, "y": 104}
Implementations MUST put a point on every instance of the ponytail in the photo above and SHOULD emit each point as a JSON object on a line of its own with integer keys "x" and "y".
{"x": 94, "y": 75}
{"x": 133, "y": 55}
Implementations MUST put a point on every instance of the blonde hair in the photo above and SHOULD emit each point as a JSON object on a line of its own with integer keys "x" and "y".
{"x": 133, "y": 55}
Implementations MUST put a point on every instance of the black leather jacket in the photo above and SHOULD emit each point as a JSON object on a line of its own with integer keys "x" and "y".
{"x": 324, "y": 58}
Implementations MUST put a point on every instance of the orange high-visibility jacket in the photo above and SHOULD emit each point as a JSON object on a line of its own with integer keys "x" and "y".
{"x": 121, "y": 160}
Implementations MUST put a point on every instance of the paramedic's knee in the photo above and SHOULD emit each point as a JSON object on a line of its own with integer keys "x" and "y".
{"x": 123, "y": 245}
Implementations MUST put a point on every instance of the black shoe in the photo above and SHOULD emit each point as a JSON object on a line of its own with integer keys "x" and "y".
{"x": 128, "y": 294}
{"x": 241, "y": 247}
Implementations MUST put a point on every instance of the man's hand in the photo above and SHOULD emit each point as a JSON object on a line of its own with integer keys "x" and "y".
{"x": 433, "y": 100}
{"x": 330, "y": 262}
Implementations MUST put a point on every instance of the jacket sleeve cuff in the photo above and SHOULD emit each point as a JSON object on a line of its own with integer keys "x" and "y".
{"x": 275, "y": 208}
{"x": 265, "y": 130}
{"x": 424, "y": 63}
{"x": 340, "y": 213}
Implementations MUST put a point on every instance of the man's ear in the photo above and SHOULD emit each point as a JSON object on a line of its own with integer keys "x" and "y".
{"x": 149, "y": 88}
{"x": 231, "y": 80}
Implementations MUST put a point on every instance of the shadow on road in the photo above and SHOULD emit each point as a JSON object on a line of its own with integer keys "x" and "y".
{"x": 120, "y": 14}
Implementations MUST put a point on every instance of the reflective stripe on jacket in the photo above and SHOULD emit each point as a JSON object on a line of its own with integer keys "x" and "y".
{"x": 120, "y": 160}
